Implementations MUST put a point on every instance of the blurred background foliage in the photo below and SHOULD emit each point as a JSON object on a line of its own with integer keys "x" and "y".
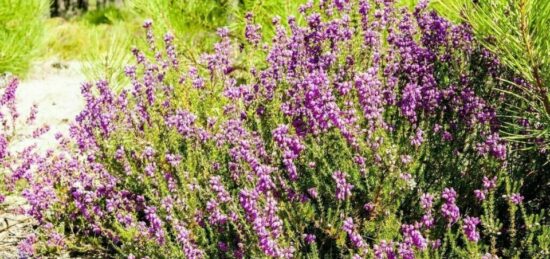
{"x": 21, "y": 33}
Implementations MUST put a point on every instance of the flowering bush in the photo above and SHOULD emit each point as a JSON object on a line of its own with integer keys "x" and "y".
{"x": 368, "y": 131}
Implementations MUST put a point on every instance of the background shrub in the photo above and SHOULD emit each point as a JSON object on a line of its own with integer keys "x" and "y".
{"x": 21, "y": 33}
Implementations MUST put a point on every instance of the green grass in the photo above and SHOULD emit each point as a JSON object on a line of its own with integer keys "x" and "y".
{"x": 21, "y": 33}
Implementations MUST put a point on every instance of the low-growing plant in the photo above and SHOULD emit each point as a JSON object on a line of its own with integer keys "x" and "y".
{"x": 369, "y": 131}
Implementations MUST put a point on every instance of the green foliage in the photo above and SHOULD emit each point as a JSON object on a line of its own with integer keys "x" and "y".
{"x": 194, "y": 22}
{"x": 21, "y": 33}
{"x": 107, "y": 15}
{"x": 517, "y": 32}
{"x": 80, "y": 40}
{"x": 112, "y": 54}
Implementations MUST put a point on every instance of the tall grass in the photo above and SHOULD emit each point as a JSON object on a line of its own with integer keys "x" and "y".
{"x": 21, "y": 33}
{"x": 194, "y": 22}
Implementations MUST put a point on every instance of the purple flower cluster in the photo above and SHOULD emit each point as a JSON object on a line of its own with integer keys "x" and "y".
{"x": 227, "y": 158}
{"x": 516, "y": 198}
{"x": 449, "y": 209}
{"x": 189, "y": 248}
{"x": 470, "y": 230}
{"x": 291, "y": 148}
{"x": 426, "y": 201}
{"x": 343, "y": 188}
{"x": 355, "y": 238}
{"x": 488, "y": 185}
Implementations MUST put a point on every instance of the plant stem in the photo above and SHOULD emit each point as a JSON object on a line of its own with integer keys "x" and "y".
{"x": 539, "y": 84}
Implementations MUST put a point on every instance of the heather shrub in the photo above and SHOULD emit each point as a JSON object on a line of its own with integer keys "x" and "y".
{"x": 21, "y": 33}
{"x": 369, "y": 131}
{"x": 15, "y": 160}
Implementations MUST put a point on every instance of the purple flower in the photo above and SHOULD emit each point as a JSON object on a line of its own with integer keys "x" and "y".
{"x": 313, "y": 192}
{"x": 449, "y": 209}
{"x": 26, "y": 247}
{"x": 480, "y": 194}
{"x": 219, "y": 189}
{"x": 252, "y": 32}
{"x": 3, "y": 147}
{"x": 155, "y": 224}
{"x": 469, "y": 228}
{"x": 436, "y": 244}
{"x": 173, "y": 160}
{"x": 309, "y": 238}
{"x": 291, "y": 148}
{"x": 449, "y": 195}
{"x": 354, "y": 237}
{"x": 189, "y": 248}
{"x": 516, "y": 198}
{"x": 426, "y": 201}
{"x": 369, "y": 207}
{"x": 223, "y": 246}
{"x": 32, "y": 114}
{"x": 149, "y": 152}
{"x": 489, "y": 184}
{"x": 418, "y": 138}
{"x": 343, "y": 188}
{"x": 384, "y": 250}
{"x": 413, "y": 236}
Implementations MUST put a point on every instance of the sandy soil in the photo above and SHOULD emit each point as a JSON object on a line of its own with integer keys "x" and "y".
{"x": 55, "y": 88}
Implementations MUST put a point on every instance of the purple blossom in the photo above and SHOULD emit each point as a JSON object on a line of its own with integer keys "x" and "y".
{"x": 469, "y": 228}
{"x": 343, "y": 188}
{"x": 428, "y": 220}
{"x": 311, "y": 92}
{"x": 418, "y": 138}
{"x": 219, "y": 189}
{"x": 252, "y": 32}
{"x": 183, "y": 122}
{"x": 516, "y": 198}
{"x": 480, "y": 194}
{"x": 369, "y": 207}
{"x": 3, "y": 147}
{"x": 26, "y": 247}
{"x": 313, "y": 192}
{"x": 291, "y": 147}
{"x": 189, "y": 247}
{"x": 426, "y": 201}
{"x": 354, "y": 237}
{"x": 449, "y": 209}
{"x": 155, "y": 224}
{"x": 384, "y": 250}
{"x": 489, "y": 184}
{"x": 413, "y": 236}
{"x": 173, "y": 160}
{"x": 309, "y": 238}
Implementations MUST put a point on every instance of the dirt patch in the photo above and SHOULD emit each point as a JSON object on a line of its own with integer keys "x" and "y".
{"x": 55, "y": 88}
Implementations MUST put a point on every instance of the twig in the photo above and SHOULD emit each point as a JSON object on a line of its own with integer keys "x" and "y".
{"x": 534, "y": 64}
{"x": 10, "y": 226}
